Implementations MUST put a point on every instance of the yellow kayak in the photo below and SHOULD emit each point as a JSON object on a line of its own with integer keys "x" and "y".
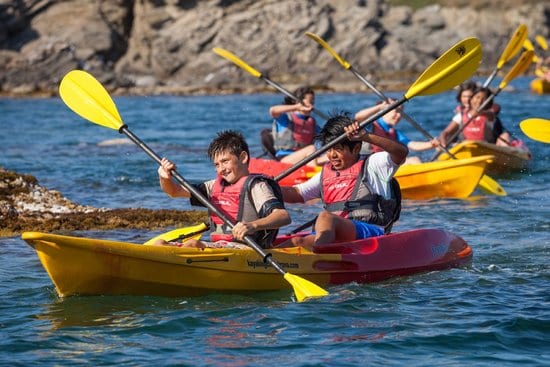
{"x": 540, "y": 86}
{"x": 506, "y": 159}
{"x": 441, "y": 179}
{"x": 88, "y": 266}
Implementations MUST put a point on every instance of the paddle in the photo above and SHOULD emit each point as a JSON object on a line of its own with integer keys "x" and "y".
{"x": 512, "y": 48}
{"x": 486, "y": 183}
{"x": 528, "y": 45}
{"x": 453, "y": 67}
{"x": 536, "y": 129}
{"x": 83, "y": 94}
{"x": 519, "y": 68}
{"x": 541, "y": 41}
{"x": 243, "y": 65}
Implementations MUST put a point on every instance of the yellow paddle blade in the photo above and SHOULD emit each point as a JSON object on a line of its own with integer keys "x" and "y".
{"x": 83, "y": 94}
{"x": 519, "y": 68}
{"x": 536, "y": 129}
{"x": 237, "y": 61}
{"x": 326, "y": 46}
{"x": 488, "y": 184}
{"x": 513, "y": 46}
{"x": 453, "y": 67}
{"x": 304, "y": 289}
{"x": 542, "y": 42}
{"x": 180, "y": 234}
{"x": 528, "y": 45}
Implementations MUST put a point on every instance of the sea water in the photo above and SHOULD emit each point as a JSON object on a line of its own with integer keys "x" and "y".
{"x": 494, "y": 312}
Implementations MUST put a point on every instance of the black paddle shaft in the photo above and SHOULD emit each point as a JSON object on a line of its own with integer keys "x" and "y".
{"x": 198, "y": 195}
{"x": 409, "y": 119}
{"x": 329, "y": 145}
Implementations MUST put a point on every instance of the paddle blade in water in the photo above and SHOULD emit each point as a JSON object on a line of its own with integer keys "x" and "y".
{"x": 304, "y": 289}
{"x": 453, "y": 67}
{"x": 489, "y": 185}
{"x": 237, "y": 61}
{"x": 536, "y": 129}
{"x": 513, "y": 46}
{"x": 327, "y": 47}
{"x": 83, "y": 94}
{"x": 519, "y": 67}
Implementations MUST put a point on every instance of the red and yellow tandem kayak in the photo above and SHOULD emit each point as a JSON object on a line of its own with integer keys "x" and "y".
{"x": 90, "y": 266}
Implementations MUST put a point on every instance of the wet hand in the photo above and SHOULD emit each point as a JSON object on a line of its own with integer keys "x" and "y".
{"x": 304, "y": 109}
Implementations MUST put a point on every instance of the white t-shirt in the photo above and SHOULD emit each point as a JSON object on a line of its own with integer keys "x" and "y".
{"x": 381, "y": 169}
{"x": 458, "y": 119}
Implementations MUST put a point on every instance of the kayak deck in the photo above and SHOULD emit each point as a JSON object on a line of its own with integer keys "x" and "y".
{"x": 506, "y": 159}
{"x": 273, "y": 168}
{"x": 443, "y": 179}
{"x": 88, "y": 266}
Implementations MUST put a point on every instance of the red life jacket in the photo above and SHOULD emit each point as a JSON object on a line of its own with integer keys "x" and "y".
{"x": 235, "y": 201}
{"x": 378, "y": 130}
{"x": 348, "y": 194}
{"x": 298, "y": 134}
{"x": 478, "y": 129}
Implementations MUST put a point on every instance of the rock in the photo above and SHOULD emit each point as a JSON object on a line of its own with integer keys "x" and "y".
{"x": 27, "y": 206}
{"x": 154, "y": 47}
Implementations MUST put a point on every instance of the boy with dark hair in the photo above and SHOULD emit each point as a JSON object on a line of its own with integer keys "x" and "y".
{"x": 357, "y": 191}
{"x": 253, "y": 202}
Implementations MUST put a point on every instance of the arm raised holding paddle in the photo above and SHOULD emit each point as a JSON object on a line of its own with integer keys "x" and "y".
{"x": 294, "y": 127}
{"x": 386, "y": 126}
{"x": 258, "y": 213}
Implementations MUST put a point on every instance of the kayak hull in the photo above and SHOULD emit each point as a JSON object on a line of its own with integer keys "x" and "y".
{"x": 444, "y": 179}
{"x": 506, "y": 159}
{"x": 87, "y": 266}
{"x": 540, "y": 86}
{"x": 273, "y": 168}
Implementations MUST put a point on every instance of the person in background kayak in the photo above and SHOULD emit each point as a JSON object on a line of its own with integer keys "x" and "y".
{"x": 360, "y": 196}
{"x": 386, "y": 126}
{"x": 478, "y": 125}
{"x": 294, "y": 128}
{"x": 465, "y": 93}
{"x": 253, "y": 202}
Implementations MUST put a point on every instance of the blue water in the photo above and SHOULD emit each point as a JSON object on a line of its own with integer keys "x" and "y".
{"x": 496, "y": 311}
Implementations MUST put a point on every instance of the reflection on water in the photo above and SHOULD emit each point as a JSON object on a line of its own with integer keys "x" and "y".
{"x": 112, "y": 311}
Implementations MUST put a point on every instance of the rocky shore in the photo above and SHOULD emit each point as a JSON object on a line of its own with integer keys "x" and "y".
{"x": 165, "y": 47}
{"x": 27, "y": 206}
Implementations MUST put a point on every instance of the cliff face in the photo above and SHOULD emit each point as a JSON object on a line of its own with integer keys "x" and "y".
{"x": 166, "y": 46}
